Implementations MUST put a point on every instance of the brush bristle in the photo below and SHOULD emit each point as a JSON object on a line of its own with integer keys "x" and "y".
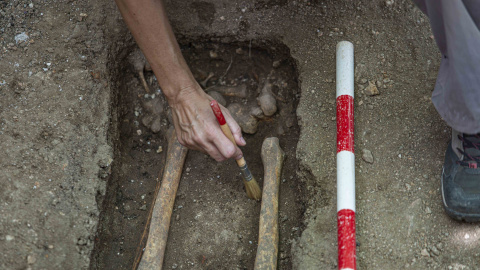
{"x": 253, "y": 190}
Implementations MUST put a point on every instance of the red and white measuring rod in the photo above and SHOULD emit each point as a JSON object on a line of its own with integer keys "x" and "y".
{"x": 345, "y": 158}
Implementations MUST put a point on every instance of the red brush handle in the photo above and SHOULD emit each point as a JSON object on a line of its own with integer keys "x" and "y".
{"x": 225, "y": 129}
{"x": 218, "y": 112}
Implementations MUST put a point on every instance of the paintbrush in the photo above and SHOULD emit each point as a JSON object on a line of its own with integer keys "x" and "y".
{"x": 251, "y": 186}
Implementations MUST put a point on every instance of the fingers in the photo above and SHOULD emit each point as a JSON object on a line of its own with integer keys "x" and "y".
{"x": 234, "y": 127}
{"x": 213, "y": 151}
{"x": 212, "y": 142}
{"x": 198, "y": 129}
{"x": 226, "y": 147}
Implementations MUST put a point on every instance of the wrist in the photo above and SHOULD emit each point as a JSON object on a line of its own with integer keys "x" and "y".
{"x": 184, "y": 94}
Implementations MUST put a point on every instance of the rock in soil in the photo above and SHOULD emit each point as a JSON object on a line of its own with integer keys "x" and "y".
{"x": 425, "y": 253}
{"x": 367, "y": 156}
{"x": 371, "y": 89}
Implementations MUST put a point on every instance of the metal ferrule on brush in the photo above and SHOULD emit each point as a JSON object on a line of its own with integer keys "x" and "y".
{"x": 246, "y": 174}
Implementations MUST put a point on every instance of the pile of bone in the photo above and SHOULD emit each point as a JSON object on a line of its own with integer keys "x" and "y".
{"x": 152, "y": 104}
{"x": 247, "y": 116}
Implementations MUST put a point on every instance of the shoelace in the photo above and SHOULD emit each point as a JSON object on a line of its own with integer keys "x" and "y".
{"x": 469, "y": 161}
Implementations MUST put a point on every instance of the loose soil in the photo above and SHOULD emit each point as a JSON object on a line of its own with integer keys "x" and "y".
{"x": 64, "y": 77}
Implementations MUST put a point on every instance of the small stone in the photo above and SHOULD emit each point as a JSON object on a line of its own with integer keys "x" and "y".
{"x": 50, "y": 246}
{"x": 276, "y": 64}
{"x": 177, "y": 217}
{"x": 408, "y": 186}
{"x": 283, "y": 256}
{"x": 389, "y": 2}
{"x": 425, "y": 253}
{"x": 239, "y": 51}
{"x": 9, "y": 237}
{"x": 79, "y": 31}
{"x": 152, "y": 122}
{"x": 21, "y": 38}
{"x": 435, "y": 251}
{"x": 440, "y": 246}
{"x": 174, "y": 266}
{"x": 139, "y": 132}
{"x": 289, "y": 122}
{"x": 143, "y": 196}
{"x": 367, "y": 156}
{"x": 363, "y": 80}
{"x": 143, "y": 207}
{"x": 427, "y": 210}
{"x": 213, "y": 54}
{"x": 371, "y": 89}
{"x": 30, "y": 5}
{"x": 379, "y": 84}
{"x": 31, "y": 259}
{"x": 159, "y": 150}
{"x": 458, "y": 266}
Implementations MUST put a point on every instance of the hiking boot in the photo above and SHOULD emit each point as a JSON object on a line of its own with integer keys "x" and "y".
{"x": 461, "y": 177}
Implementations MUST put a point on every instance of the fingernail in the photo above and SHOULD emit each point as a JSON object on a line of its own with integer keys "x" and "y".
{"x": 243, "y": 140}
{"x": 239, "y": 157}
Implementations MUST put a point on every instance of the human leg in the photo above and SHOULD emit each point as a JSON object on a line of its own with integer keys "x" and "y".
{"x": 456, "y": 27}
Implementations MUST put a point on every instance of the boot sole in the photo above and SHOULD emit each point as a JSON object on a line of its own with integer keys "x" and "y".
{"x": 465, "y": 217}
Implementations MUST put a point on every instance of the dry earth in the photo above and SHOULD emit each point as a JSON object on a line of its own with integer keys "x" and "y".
{"x": 59, "y": 109}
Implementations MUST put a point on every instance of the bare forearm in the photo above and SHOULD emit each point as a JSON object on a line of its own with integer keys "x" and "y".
{"x": 148, "y": 22}
{"x": 194, "y": 122}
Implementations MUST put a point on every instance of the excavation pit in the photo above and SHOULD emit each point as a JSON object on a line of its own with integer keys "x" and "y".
{"x": 214, "y": 225}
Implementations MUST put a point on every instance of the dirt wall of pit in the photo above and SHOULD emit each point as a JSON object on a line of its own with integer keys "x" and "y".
{"x": 54, "y": 122}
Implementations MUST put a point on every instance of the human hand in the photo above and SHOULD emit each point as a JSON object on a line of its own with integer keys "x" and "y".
{"x": 198, "y": 129}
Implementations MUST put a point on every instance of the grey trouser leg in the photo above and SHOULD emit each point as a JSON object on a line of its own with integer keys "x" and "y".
{"x": 456, "y": 27}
